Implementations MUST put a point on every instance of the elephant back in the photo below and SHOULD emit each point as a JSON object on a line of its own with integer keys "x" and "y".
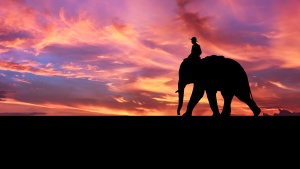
{"x": 223, "y": 72}
{"x": 211, "y": 65}
{"x": 213, "y": 60}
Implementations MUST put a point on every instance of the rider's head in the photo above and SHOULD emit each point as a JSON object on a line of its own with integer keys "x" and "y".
{"x": 194, "y": 40}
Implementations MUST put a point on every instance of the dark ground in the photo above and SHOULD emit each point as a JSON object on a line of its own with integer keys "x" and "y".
{"x": 146, "y": 122}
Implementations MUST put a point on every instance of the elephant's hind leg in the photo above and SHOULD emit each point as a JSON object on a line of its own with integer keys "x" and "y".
{"x": 228, "y": 96}
{"x": 245, "y": 97}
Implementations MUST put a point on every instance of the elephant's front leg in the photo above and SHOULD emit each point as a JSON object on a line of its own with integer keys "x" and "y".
{"x": 197, "y": 94}
{"x": 212, "y": 98}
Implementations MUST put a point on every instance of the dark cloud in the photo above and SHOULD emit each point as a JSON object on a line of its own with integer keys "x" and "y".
{"x": 80, "y": 51}
{"x": 262, "y": 63}
{"x": 233, "y": 32}
{"x": 6, "y": 88}
{"x": 150, "y": 44}
{"x": 183, "y": 3}
{"x": 273, "y": 95}
{"x": 113, "y": 63}
{"x": 60, "y": 90}
{"x": 288, "y": 77}
{"x": 283, "y": 112}
{"x": 193, "y": 22}
{"x": 10, "y": 35}
{"x": 172, "y": 49}
{"x": 240, "y": 36}
{"x": 149, "y": 73}
{"x": 4, "y": 48}
{"x": 87, "y": 54}
{"x": 3, "y": 95}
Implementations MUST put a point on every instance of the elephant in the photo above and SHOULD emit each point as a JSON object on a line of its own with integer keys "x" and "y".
{"x": 212, "y": 74}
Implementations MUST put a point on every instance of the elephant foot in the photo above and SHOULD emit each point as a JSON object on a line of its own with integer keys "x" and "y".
{"x": 216, "y": 115}
{"x": 257, "y": 111}
{"x": 187, "y": 115}
{"x": 225, "y": 114}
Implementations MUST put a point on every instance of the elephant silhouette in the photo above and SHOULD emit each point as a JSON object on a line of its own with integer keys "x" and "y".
{"x": 213, "y": 74}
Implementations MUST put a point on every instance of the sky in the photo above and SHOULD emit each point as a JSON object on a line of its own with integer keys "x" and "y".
{"x": 121, "y": 57}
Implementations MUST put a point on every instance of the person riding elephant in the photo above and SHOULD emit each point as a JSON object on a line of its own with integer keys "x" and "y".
{"x": 196, "y": 49}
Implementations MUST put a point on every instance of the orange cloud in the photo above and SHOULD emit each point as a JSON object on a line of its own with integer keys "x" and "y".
{"x": 278, "y": 84}
{"x": 26, "y": 68}
{"x": 12, "y": 106}
{"x": 120, "y": 99}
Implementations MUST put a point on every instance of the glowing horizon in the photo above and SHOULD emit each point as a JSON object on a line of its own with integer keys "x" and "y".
{"x": 121, "y": 57}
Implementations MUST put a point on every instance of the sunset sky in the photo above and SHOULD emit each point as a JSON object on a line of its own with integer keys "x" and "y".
{"x": 121, "y": 57}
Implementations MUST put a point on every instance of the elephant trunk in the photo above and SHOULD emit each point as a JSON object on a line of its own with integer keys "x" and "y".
{"x": 180, "y": 92}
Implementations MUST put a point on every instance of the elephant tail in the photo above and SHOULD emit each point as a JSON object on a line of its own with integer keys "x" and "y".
{"x": 251, "y": 96}
{"x": 246, "y": 79}
{"x": 249, "y": 89}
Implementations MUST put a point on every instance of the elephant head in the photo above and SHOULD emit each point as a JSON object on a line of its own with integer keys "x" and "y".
{"x": 187, "y": 74}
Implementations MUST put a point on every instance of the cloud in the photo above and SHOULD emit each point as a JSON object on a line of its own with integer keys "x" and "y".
{"x": 2, "y": 95}
{"x": 120, "y": 99}
{"x": 11, "y": 35}
{"x": 25, "y": 68}
{"x": 283, "y": 112}
{"x": 285, "y": 39}
{"x": 193, "y": 22}
{"x": 280, "y": 77}
{"x": 19, "y": 108}
{"x": 21, "y": 80}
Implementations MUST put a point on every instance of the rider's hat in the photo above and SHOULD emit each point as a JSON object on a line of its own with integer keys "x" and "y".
{"x": 194, "y": 38}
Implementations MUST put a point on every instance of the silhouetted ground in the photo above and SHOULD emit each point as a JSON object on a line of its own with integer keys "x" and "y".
{"x": 24, "y": 114}
{"x": 103, "y": 123}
